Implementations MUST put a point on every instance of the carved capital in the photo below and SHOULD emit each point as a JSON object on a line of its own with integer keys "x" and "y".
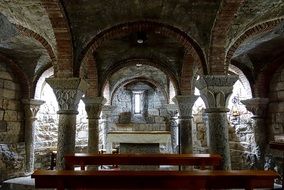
{"x": 256, "y": 105}
{"x": 31, "y": 107}
{"x": 107, "y": 110}
{"x": 68, "y": 92}
{"x": 94, "y": 106}
{"x": 185, "y": 104}
{"x": 215, "y": 90}
{"x": 172, "y": 109}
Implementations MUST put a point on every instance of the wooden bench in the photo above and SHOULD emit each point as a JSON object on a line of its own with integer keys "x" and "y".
{"x": 201, "y": 160}
{"x": 191, "y": 180}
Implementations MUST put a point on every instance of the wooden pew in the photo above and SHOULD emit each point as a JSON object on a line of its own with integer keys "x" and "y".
{"x": 202, "y": 160}
{"x": 191, "y": 180}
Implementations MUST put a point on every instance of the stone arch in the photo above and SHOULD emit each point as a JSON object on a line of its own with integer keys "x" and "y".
{"x": 151, "y": 62}
{"x": 256, "y": 29}
{"x": 23, "y": 79}
{"x": 140, "y": 79}
{"x": 245, "y": 82}
{"x": 29, "y": 33}
{"x": 63, "y": 66}
{"x": 120, "y": 30}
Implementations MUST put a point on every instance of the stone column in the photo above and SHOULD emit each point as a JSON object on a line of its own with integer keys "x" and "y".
{"x": 215, "y": 91}
{"x": 106, "y": 115}
{"x": 93, "y": 109}
{"x": 172, "y": 112}
{"x": 68, "y": 92}
{"x": 185, "y": 104}
{"x": 258, "y": 108}
{"x": 31, "y": 108}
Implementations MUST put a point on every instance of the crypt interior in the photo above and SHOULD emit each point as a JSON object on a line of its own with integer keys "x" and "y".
{"x": 163, "y": 76}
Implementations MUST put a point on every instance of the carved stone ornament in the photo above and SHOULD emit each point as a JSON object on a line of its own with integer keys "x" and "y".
{"x": 215, "y": 90}
{"x": 31, "y": 107}
{"x": 256, "y": 105}
{"x": 185, "y": 104}
{"x": 68, "y": 92}
{"x": 94, "y": 106}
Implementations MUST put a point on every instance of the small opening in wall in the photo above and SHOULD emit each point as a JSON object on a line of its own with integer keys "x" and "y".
{"x": 137, "y": 103}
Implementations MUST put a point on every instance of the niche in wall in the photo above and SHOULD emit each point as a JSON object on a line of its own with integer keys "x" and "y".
{"x": 138, "y": 102}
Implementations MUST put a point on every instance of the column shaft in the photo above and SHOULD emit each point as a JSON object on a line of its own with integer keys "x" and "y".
{"x": 185, "y": 129}
{"x": 217, "y": 124}
{"x": 66, "y": 137}
{"x": 185, "y": 104}
{"x": 93, "y": 108}
{"x": 258, "y": 107}
{"x": 31, "y": 109}
{"x": 93, "y": 141}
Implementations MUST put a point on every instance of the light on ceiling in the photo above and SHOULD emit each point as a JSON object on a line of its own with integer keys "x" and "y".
{"x": 141, "y": 37}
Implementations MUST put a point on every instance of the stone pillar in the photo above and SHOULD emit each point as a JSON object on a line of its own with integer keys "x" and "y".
{"x": 172, "y": 112}
{"x": 258, "y": 108}
{"x": 31, "y": 108}
{"x": 185, "y": 104}
{"x": 215, "y": 91}
{"x": 68, "y": 92}
{"x": 106, "y": 115}
{"x": 93, "y": 109}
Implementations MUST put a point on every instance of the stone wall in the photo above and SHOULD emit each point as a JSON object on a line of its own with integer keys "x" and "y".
{"x": 241, "y": 140}
{"x": 12, "y": 151}
{"x": 12, "y": 160}
{"x": 153, "y": 112}
{"x": 275, "y": 117}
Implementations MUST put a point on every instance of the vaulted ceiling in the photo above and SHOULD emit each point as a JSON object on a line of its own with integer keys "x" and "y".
{"x": 36, "y": 34}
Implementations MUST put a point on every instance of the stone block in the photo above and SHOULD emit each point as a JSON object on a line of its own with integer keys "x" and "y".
{"x": 153, "y": 111}
{"x": 273, "y": 96}
{"x": 280, "y": 95}
{"x": 159, "y": 119}
{"x": 13, "y": 104}
{"x": 280, "y": 86}
{"x": 163, "y": 112}
{"x": 5, "y": 75}
{"x": 274, "y": 107}
{"x": 279, "y": 117}
{"x": 9, "y": 94}
{"x": 10, "y": 85}
{"x": 11, "y": 115}
{"x": 1, "y": 83}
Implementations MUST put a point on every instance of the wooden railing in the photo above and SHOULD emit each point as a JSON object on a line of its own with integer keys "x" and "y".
{"x": 200, "y": 160}
{"x": 191, "y": 180}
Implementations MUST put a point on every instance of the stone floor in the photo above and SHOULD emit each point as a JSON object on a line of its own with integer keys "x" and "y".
{"x": 27, "y": 183}
{"x": 20, "y": 183}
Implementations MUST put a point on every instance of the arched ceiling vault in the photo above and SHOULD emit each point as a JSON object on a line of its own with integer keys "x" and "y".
{"x": 67, "y": 33}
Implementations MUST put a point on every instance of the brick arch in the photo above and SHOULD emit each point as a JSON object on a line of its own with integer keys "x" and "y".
{"x": 29, "y": 33}
{"x": 255, "y": 30}
{"x": 146, "y": 61}
{"x": 141, "y": 79}
{"x": 88, "y": 71}
{"x": 191, "y": 47}
{"x": 37, "y": 77}
{"x": 63, "y": 66}
{"x": 224, "y": 19}
{"x": 21, "y": 76}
